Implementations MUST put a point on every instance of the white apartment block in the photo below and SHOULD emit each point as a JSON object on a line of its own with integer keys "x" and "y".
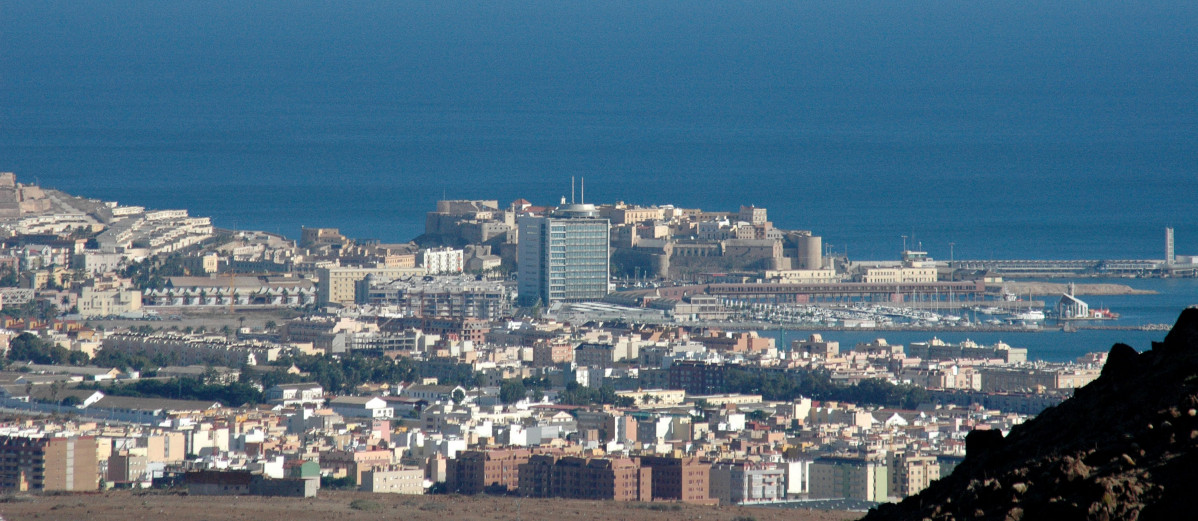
{"x": 439, "y": 261}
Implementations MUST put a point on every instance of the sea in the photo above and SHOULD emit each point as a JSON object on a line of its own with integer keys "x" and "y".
{"x": 971, "y": 130}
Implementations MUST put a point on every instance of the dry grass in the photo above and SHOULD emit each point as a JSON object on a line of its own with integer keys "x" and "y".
{"x": 124, "y": 505}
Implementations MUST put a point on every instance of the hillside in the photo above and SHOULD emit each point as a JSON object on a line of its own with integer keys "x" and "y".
{"x": 1124, "y": 447}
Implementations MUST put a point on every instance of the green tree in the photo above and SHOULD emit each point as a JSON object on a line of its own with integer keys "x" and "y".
{"x": 27, "y": 347}
{"x": 8, "y": 277}
{"x": 512, "y": 391}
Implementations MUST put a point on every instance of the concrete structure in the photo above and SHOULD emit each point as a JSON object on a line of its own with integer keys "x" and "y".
{"x": 564, "y": 257}
{"x": 997, "y": 379}
{"x": 154, "y": 232}
{"x": 440, "y": 261}
{"x": 433, "y": 393}
{"x": 393, "y": 481}
{"x": 745, "y": 482}
{"x": 912, "y": 273}
{"x": 814, "y": 346}
{"x": 310, "y": 237}
{"x": 846, "y": 477}
{"x": 697, "y": 377}
{"x": 239, "y": 291}
{"x": 809, "y": 252}
{"x": 48, "y": 464}
{"x": 680, "y": 479}
{"x": 124, "y": 467}
{"x": 474, "y": 472}
{"x": 102, "y": 303}
{"x": 237, "y": 483}
{"x": 1169, "y": 255}
{"x": 339, "y": 285}
{"x": 454, "y": 297}
{"x": 355, "y": 463}
{"x": 361, "y": 407}
{"x": 936, "y": 349}
{"x": 296, "y": 394}
{"x": 798, "y": 477}
{"x": 595, "y": 355}
{"x": 911, "y": 473}
{"x": 619, "y": 479}
{"x": 801, "y": 276}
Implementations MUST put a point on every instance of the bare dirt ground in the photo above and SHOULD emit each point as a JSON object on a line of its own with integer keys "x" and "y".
{"x": 330, "y": 506}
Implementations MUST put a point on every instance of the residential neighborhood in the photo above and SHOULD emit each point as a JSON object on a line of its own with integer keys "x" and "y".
{"x": 578, "y": 351}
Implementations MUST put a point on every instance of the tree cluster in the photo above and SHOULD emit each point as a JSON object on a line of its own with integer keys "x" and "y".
{"x": 817, "y": 384}
{"x": 575, "y": 394}
{"x": 231, "y": 395}
{"x": 152, "y": 273}
{"x": 27, "y": 347}
{"x": 512, "y": 391}
{"x": 344, "y": 373}
{"x": 40, "y": 309}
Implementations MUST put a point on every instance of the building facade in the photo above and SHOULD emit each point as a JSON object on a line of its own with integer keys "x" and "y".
{"x": 48, "y": 464}
{"x": 680, "y": 479}
{"x": 339, "y": 285}
{"x": 437, "y": 261}
{"x": 911, "y": 473}
{"x": 859, "y": 478}
{"x": 564, "y": 257}
{"x": 474, "y": 472}
{"x": 394, "y": 481}
{"x": 618, "y": 479}
{"x": 744, "y": 482}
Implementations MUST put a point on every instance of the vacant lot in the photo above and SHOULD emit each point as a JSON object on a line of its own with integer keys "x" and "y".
{"x": 330, "y": 506}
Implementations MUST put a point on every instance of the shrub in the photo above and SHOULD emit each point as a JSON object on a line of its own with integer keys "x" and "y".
{"x": 365, "y": 505}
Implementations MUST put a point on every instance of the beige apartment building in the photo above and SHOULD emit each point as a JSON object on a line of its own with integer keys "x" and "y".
{"x": 339, "y": 285}
{"x": 48, "y": 464}
{"x": 911, "y": 473}
{"x": 394, "y": 481}
{"x": 100, "y": 302}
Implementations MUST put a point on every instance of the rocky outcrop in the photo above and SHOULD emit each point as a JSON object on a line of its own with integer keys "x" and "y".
{"x": 1124, "y": 447}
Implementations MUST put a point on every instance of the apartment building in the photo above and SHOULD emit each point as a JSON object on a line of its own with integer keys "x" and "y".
{"x": 849, "y": 477}
{"x": 393, "y": 481}
{"x": 564, "y": 257}
{"x": 339, "y": 285}
{"x": 48, "y": 464}
{"x": 680, "y": 479}
{"x": 619, "y": 479}
{"x": 474, "y": 472}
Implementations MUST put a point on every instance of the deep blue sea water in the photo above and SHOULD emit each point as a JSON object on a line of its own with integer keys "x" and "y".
{"x": 1065, "y": 129}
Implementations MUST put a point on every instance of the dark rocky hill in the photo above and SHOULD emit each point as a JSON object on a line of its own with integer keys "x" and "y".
{"x": 1124, "y": 447}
